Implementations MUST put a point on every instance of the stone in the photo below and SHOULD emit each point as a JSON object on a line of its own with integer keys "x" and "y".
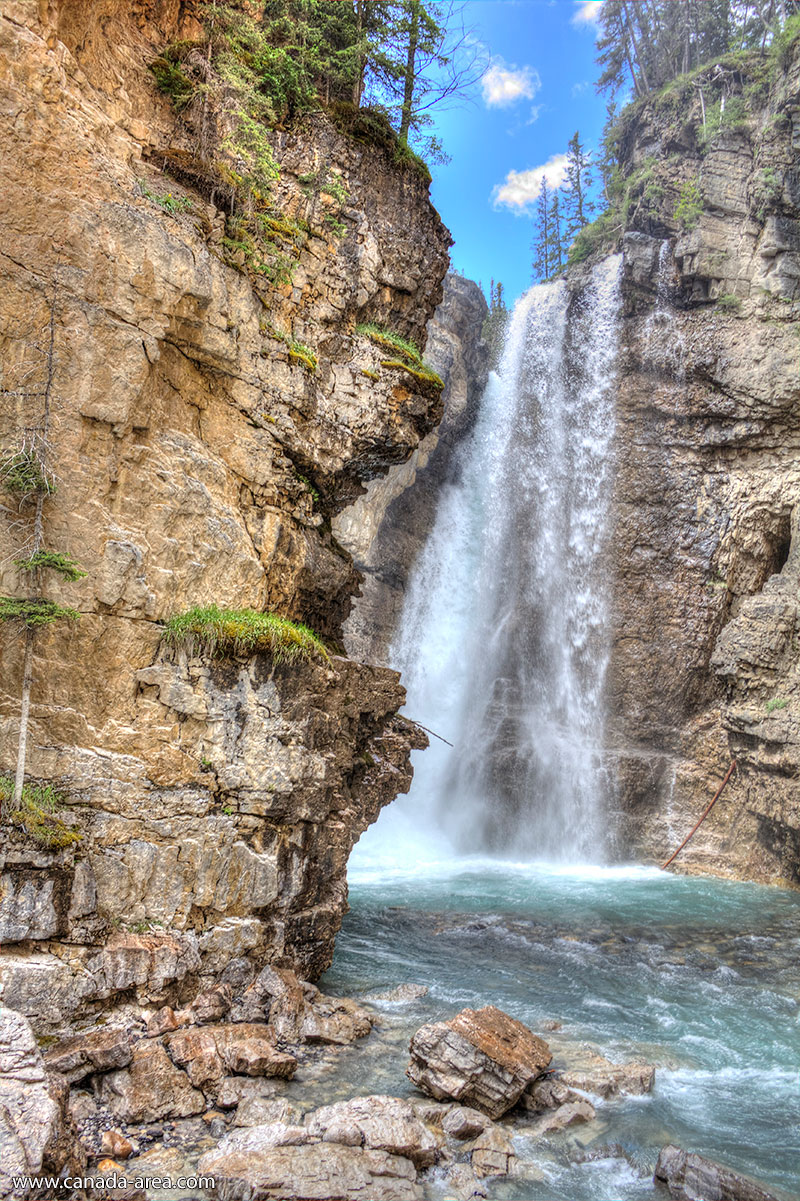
{"x": 116, "y": 1145}
{"x": 36, "y": 1132}
{"x": 211, "y": 1005}
{"x": 570, "y": 1114}
{"x": 492, "y": 1153}
{"x": 482, "y": 1058}
{"x": 607, "y": 1080}
{"x": 463, "y": 1123}
{"x": 462, "y": 1183}
{"x": 150, "y": 1089}
{"x": 98, "y": 1050}
{"x": 162, "y": 1021}
{"x": 261, "y": 1111}
{"x": 547, "y": 1093}
{"x": 379, "y": 1122}
{"x": 403, "y": 994}
{"x": 316, "y": 1172}
{"x": 692, "y": 1177}
{"x": 247, "y": 1049}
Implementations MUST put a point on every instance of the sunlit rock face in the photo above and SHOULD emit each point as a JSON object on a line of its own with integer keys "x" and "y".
{"x": 706, "y": 559}
{"x": 198, "y": 461}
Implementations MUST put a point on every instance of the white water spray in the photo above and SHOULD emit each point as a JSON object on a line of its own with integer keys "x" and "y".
{"x": 503, "y": 640}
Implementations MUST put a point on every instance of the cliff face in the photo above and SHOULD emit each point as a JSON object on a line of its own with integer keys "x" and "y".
{"x": 705, "y": 553}
{"x": 199, "y": 458}
{"x": 386, "y": 528}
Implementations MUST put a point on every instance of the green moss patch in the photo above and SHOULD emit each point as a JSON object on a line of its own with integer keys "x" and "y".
{"x": 37, "y": 814}
{"x": 227, "y": 633}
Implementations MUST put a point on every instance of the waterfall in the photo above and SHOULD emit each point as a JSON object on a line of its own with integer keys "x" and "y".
{"x": 503, "y": 641}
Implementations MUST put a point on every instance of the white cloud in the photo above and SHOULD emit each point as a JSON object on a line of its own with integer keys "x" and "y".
{"x": 520, "y": 189}
{"x": 535, "y": 111}
{"x": 503, "y": 85}
{"x": 586, "y": 12}
{"x": 579, "y": 88}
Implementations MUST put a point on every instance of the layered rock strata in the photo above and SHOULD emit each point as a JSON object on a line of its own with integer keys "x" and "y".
{"x": 199, "y": 458}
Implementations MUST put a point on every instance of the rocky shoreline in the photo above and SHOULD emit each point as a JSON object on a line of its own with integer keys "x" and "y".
{"x": 223, "y": 1094}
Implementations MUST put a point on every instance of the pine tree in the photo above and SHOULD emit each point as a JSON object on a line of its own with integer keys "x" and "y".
{"x": 557, "y": 240}
{"x": 577, "y": 205}
{"x": 542, "y": 244}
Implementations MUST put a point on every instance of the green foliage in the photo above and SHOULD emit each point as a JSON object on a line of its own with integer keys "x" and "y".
{"x": 52, "y": 560}
{"x": 297, "y": 350}
{"x": 776, "y": 703}
{"x": 170, "y": 79}
{"x": 601, "y": 235}
{"x": 35, "y": 613}
{"x": 386, "y": 337}
{"x": 37, "y": 814}
{"x": 784, "y": 45}
{"x": 166, "y": 200}
{"x": 424, "y": 374}
{"x": 21, "y": 473}
{"x": 728, "y": 303}
{"x": 689, "y": 206}
{"x": 227, "y": 633}
{"x": 725, "y": 114}
{"x": 767, "y": 191}
{"x": 309, "y": 487}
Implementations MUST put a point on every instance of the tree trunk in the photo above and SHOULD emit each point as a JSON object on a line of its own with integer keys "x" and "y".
{"x": 410, "y": 73}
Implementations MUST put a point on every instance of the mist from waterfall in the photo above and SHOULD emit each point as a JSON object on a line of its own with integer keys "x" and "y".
{"x": 503, "y": 642}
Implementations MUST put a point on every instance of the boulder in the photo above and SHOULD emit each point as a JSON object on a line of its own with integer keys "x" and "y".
{"x": 464, "y": 1123}
{"x": 245, "y": 1049}
{"x": 483, "y": 1058}
{"x": 150, "y": 1089}
{"x": 211, "y": 1005}
{"x": 98, "y": 1050}
{"x": 298, "y": 1012}
{"x": 692, "y": 1177}
{"x": 36, "y": 1132}
{"x": 607, "y": 1080}
{"x": 379, "y": 1122}
{"x": 492, "y": 1153}
{"x": 303, "y": 1172}
{"x": 547, "y": 1093}
{"x": 233, "y": 1090}
{"x": 403, "y": 994}
{"x": 570, "y": 1114}
{"x": 336, "y": 1020}
{"x": 262, "y": 1111}
{"x": 462, "y": 1184}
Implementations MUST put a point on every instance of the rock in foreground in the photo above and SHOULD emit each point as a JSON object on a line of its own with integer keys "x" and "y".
{"x": 481, "y": 1057}
{"x": 692, "y": 1177}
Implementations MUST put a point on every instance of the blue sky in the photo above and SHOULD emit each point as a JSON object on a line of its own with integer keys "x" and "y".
{"x": 538, "y": 90}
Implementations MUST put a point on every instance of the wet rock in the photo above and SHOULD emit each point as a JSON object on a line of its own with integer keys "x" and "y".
{"x": 336, "y": 1020}
{"x": 463, "y": 1123}
{"x": 492, "y": 1153}
{"x": 99, "y": 1050}
{"x": 403, "y": 993}
{"x": 482, "y": 1057}
{"x": 261, "y": 1111}
{"x": 36, "y": 1132}
{"x": 605, "y": 1079}
{"x": 462, "y": 1184}
{"x": 116, "y": 1145}
{"x": 308, "y": 1173}
{"x": 570, "y": 1114}
{"x": 379, "y": 1122}
{"x": 547, "y": 1093}
{"x": 151, "y": 1088}
{"x": 695, "y": 1178}
{"x": 246, "y": 1049}
{"x": 233, "y": 1090}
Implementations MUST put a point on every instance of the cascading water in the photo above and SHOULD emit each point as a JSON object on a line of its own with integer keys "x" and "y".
{"x": 503, "y": 641}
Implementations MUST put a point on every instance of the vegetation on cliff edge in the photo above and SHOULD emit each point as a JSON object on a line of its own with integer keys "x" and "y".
{"x": 231, "y": 632}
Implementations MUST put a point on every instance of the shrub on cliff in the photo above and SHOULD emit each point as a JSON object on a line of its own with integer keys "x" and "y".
{"x": 230, "y": 632}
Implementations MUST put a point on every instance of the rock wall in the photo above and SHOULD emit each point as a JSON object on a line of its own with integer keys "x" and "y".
{"x": 386, "y": 528}
{"x": 706, "y": 559}
{"x": 198, "y": 460}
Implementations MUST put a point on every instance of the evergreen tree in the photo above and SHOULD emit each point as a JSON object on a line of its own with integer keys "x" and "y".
{"x": 542, "y": 244}
{"x": 578, "y": 207}
{"x": 557, "y": 239}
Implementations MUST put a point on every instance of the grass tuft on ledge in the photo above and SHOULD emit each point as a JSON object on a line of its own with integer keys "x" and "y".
{"x": 37, "y": 814}
{"x": 227, "y": 633}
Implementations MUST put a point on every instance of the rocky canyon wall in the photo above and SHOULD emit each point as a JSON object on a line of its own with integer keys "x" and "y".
{"x": 705, "y": 557}
{"x": 207, "y": 425}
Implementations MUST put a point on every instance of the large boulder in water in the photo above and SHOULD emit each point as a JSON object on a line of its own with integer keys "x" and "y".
{"x": 692, "y": 1177}
{"x": 481, "y": 1057}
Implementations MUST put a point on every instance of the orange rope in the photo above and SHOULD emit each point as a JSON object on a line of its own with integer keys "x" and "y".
{"x": 706, "y": 812}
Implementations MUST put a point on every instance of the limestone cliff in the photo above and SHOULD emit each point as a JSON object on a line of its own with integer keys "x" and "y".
{"x": 207, "y": 425}
{"x": 705, "y": 555}
{"x": 386, "y": 527}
